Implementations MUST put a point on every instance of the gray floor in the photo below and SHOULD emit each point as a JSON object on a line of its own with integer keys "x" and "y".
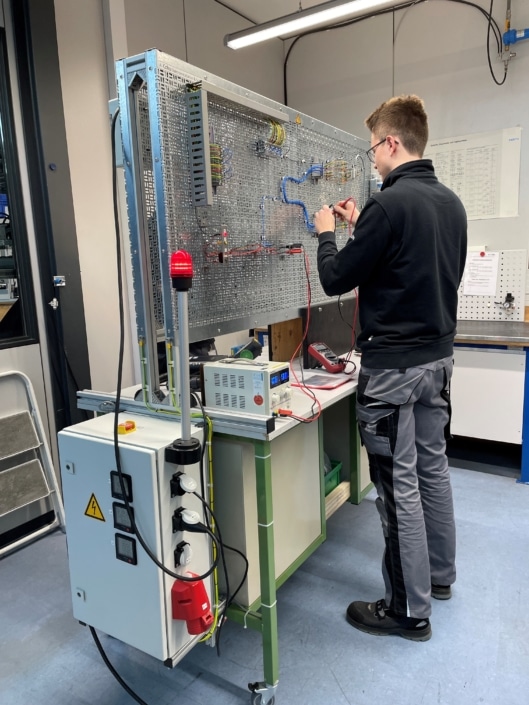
{"x": 479, "y": 652}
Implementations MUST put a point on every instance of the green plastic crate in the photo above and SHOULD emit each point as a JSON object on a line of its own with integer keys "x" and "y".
{"x": 332, "y": 478}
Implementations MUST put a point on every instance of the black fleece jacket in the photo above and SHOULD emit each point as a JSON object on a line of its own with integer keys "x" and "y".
{"x": 407, "y": 258}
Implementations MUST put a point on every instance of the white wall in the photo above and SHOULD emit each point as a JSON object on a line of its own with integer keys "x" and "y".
{"x": 192, "y": 29}
{"x": 83, "y": 68}
{"x": 156, "y": 25}
{"x": 436, "y": 50}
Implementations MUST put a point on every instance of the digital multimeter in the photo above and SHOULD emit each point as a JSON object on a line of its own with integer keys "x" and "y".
{"x": 325, "y": 356}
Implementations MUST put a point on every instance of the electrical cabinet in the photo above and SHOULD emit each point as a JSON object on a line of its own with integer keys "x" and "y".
{"x": 487, "y": 393}
{"x": 115, "y": 586}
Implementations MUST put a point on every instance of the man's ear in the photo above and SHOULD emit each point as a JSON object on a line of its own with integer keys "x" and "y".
{"x": 393, "y": 142}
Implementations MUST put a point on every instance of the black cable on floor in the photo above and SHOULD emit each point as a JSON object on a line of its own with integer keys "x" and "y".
{"x": 112, "y": 670}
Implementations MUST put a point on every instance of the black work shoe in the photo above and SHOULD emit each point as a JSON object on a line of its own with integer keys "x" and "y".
{"x": 441, "y": 592}
{"x": 375, "y": 618}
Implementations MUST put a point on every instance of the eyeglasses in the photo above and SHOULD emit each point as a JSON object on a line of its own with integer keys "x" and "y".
{"x": 371, "y": 152}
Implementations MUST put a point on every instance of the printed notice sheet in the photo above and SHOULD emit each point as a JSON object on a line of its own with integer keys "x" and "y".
{"x": 483, "y": 169}
{"x": 481, "y": 274}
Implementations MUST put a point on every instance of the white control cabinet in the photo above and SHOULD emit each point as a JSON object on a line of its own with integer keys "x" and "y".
{"x": 115, "y": 586}
{"x": 488, "y": 394}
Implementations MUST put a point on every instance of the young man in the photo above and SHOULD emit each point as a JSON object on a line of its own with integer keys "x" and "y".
{"x": 407, "y": 258}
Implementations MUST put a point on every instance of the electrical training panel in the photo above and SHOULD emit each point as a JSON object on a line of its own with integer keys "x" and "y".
{"x": 234, "y": 178}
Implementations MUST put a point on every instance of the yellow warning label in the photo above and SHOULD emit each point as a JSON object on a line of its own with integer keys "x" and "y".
{"x": 93, "y": 509}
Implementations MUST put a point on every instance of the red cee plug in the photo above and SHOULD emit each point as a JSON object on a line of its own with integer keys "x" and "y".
{"x": 190, "y": 602}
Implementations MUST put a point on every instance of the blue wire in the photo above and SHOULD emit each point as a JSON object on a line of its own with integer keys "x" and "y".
{"x": 294, "y": 202}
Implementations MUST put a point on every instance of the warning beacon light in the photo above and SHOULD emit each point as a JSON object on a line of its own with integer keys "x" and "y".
{"x": 181, "y": 269}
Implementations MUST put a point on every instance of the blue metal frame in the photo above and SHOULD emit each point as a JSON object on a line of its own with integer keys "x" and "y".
{"x": 131, "y": 71}
{"x": 161, "y": 216}
{"x": 125, "y": 70}
{"x": 524, "y": 475}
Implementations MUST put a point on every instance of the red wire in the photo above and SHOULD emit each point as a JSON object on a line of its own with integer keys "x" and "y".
{"x": 350, "y": 221}
{"x": 241, "y": 251}
{"x": 301, "y": 386}
{"x": 353, "y": 335}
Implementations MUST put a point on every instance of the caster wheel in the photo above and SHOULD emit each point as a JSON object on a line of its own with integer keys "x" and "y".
{"x": 257, "y": 698}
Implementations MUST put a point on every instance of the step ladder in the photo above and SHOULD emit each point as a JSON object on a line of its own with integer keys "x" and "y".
{"x": 26, "y": 468}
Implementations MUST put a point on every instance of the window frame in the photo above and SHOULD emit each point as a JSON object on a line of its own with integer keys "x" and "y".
{"x": 21, "y": 252}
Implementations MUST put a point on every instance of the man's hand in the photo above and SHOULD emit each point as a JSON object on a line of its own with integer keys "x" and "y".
{"x": 324, "y": 220}
{"x": 347, "y": 211}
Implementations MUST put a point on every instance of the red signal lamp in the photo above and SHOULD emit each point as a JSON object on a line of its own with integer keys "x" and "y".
{"x": 181, "y": 270}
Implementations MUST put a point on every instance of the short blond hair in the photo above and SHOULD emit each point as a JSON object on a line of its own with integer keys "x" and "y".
{"x": 405, "y": 117}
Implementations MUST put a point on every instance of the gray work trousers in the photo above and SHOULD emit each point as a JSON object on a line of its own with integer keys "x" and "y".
{"x": 402, "y": 416}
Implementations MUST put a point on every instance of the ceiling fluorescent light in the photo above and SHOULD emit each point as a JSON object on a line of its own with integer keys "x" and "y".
{"x": 295, "y": 23}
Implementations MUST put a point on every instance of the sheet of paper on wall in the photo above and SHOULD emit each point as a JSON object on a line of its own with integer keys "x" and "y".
{"x": 482, "y": 169}
{"x": 481, "y": 274}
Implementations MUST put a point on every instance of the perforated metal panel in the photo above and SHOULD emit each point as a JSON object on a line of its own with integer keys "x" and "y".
{"x": 244, "y": 273}
{"x": 511, "y": 280}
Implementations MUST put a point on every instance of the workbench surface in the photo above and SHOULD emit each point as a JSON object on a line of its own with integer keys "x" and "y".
{"x": 514, "y": 333}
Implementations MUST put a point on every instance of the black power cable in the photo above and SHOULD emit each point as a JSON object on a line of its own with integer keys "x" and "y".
{"x": 498, "y": 83}
{"x": 112, "y": 670}
{"x": 229, "y": 597}
{"x": 230, "y": 601}
{"x": 73, "y": 377}
{"x": 347, "y": 357}
{"x": 492, "y": 24}
{"x": 98, "y": 644}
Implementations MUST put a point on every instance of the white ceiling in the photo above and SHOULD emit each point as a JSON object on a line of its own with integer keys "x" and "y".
{"x": 264, "y": 10}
